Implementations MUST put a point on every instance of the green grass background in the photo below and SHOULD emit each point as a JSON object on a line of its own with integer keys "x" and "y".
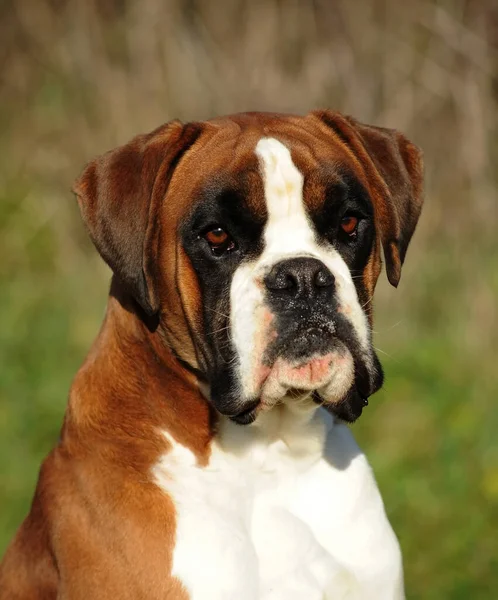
{"x": 81, "y": 77}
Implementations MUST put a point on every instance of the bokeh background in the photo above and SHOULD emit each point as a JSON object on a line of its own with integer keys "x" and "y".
{"x": 79, "y": 77}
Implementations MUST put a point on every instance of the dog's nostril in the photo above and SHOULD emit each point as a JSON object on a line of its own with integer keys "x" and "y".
{"x": 284, "y": 281}
{"x": 324, "y": 278}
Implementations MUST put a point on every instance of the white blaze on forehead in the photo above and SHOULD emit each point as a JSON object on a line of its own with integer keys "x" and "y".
{"x": 288, "y": 229}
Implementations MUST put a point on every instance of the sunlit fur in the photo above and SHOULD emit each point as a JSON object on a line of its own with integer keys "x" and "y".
{"x": 288, "y": 233}
{"x": 287, "y": 508}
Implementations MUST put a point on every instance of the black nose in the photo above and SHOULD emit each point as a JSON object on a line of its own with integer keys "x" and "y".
{"x": 300, "y": 278}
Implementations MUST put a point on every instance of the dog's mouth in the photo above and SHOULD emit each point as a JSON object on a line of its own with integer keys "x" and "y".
{"x": 324, "y": 377}
{"x": 315, "y": 372}
{"x": 319, "y": 359}
{"x": 249, "y": 414}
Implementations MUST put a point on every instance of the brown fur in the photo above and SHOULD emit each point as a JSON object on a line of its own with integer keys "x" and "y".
{"x": 99, "y": 527}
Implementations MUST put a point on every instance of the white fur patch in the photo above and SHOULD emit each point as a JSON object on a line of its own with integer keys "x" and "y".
{"x": 287, "y": 509}
{"x": 288, "y": 233}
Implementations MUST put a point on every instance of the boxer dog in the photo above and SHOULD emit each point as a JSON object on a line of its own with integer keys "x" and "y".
{"x": 203, "y": 454}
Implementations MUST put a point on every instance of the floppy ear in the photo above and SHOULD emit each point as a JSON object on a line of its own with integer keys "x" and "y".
{"x": 119, "y": 194}
{"x": 394, "y": 168}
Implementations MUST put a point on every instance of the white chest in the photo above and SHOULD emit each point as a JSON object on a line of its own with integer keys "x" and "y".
{"x": 285, "y": 510}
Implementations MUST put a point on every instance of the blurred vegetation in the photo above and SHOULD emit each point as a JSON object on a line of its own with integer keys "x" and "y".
{"x": 80, "y": 77}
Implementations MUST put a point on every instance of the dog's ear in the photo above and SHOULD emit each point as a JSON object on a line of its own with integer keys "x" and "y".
{"x": 119, "y": 194}
{"x": 394, "y": 168}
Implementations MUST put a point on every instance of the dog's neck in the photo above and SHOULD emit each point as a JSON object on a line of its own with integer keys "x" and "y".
{"x": 132, "y": 387}
{"x": 295, "y": 430}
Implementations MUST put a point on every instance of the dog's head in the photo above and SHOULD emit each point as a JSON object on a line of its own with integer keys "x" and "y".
{"x": 255, "y": 242}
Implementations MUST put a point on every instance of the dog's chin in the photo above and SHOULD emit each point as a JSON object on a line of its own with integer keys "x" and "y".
{"x": 327, "y": 377}
{"x": 331, "y": 375}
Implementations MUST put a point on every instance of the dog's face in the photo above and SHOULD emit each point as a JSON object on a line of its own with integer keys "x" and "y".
{"x": 256, "y": 240}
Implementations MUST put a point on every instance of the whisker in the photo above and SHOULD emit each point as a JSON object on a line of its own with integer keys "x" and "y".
{"x": 227, "y": 327}
{"x": 386, "y": 354}
{"x": 218, "y": 312}
{"x": 232, "y": 360}
{"x": 388, "y": 328}
{"x": 367, "y": 302}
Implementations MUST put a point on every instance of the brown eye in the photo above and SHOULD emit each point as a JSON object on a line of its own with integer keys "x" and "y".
{"x": 219, "y": 241}
{"x": 349, "y": 224}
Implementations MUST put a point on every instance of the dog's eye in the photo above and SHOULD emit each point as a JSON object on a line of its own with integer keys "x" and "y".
{"x": 219, "y": 241}
{"x": 349, "y": 224}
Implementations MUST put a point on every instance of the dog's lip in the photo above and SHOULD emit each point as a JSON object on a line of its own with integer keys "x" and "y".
{"x": 266, "y": 370}
{"x": 350, "y": 408}
{"x": 248, "y": 415}
{"x": 317, "y": 398}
